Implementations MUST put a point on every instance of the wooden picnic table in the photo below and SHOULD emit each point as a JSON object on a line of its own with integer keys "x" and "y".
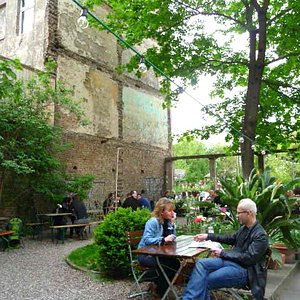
{"x": 4, "y": 237}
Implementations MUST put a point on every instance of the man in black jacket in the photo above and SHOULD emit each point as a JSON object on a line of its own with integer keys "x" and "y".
{"x": 131, "y": 201}
{"x": 242, "y": 265}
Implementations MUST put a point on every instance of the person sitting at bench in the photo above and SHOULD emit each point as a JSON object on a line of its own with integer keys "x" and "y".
{"x": 78, "y": 209}
{"x": 242, "y": 265}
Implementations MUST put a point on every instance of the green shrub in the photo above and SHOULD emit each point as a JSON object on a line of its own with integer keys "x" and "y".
{"x": 110, "y": 237}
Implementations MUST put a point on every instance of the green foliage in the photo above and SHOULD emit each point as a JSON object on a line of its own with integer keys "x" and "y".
{"x": 273, "y": 205}
{"x": 110, "y": 237}
{"x": 54, "y": 186}
{"x": 29, "y": 143}
{"x": 283, "y": 166}
{"x": 80, "y": 185}
{"x": 197, "y": 169}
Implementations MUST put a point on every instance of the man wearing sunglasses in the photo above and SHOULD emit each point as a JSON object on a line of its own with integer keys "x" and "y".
{"x": 243, "y": 265}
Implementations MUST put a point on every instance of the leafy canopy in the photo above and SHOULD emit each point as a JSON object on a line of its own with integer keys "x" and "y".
{"x": 200, "y": 37}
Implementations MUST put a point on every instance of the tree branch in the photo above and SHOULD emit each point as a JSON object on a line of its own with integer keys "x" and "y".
{"x": 280, "y": 84}
{"x": 274, "y": 87}
{"x": 219, "y": 63}
{"x": 283, "y": 57}
{"x": 213, "y": 13}
{"x": 282, "y": 13}
{"x": 177, "y": 23}
{"x": 256, "y": 5}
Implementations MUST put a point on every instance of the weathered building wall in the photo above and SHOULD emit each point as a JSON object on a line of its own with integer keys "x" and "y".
{"x": 144, "y": 120}
{"x": 125, "y": 112}
{"x": 139, "y": 167}
{"x": 99, "y": 95}
{"x": 28, "y": 46}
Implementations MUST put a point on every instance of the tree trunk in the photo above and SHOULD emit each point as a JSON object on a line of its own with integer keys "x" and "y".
{"x": 255, "y": 69}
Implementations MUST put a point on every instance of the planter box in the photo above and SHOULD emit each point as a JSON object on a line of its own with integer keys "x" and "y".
{"x": 275, "y": 265}
{"x": 290, "y": 254}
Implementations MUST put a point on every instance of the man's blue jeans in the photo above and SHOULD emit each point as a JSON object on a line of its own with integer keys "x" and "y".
{"x": 213, "y": 273}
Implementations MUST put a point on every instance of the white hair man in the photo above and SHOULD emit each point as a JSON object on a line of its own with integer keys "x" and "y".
{"x": 242, "y": 265}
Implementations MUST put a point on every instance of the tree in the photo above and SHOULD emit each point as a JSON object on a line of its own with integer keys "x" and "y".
{"x": 259, "y": 85}
{"x": 195, "y": 169}
{"x": 29, "y": 143}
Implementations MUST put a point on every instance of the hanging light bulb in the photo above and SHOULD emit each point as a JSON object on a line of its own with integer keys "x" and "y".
{"x": 82, "y": 20}
{"x": 263, "y": 152}
{"x": 180, "y": 90}
{"x": 253, "y": 146}
{"x": 142, "y": 66}
{"x": 241, "y": 140}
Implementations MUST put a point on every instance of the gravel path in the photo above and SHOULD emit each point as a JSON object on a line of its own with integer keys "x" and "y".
{"x": 39, "y": 272}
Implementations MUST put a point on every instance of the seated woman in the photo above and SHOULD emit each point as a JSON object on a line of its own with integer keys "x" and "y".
{"x": 160, "y": 230}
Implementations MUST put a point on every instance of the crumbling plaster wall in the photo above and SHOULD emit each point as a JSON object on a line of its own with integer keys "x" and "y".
{"x": 125, "y": 111}
{"x": 98, "y": 94}
{"x": 28, "y": 47}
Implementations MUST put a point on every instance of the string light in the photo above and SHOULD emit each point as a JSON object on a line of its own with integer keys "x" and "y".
{"x": 241, "y": 140}
{"x": 82, "y": 21}
{"x": 263, "y": 152}
{"x": 253, "y": 146}
{"x": 142, "y": 65}
{"x": 180, "y": 90}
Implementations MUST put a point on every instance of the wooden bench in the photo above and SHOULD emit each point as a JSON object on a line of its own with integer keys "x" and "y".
{"x": 61, "y": 229}
{"x": 36, "y": 229}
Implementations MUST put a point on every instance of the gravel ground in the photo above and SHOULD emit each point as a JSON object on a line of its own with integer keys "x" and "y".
{"x": 39, "y": 272}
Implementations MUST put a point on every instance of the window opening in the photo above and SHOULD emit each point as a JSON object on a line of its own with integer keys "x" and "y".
{"x": 26, "y": 15}
{"x": 2, "y": 19}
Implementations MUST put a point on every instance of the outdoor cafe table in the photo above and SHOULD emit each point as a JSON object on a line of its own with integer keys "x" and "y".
{"x": 179, "y": 249}
{"x": 52, "y": 216}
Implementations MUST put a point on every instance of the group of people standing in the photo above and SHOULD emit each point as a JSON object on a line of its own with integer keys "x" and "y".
{"x": 134, "y": 200}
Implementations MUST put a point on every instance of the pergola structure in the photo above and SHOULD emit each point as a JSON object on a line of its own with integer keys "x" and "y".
{"x": 212, "y": 163}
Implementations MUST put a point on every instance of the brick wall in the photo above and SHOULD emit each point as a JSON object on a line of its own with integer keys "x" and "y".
{"x": 139, "y": 166}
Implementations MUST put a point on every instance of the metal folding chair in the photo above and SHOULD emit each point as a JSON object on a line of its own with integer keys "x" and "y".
{"x": 140, "y": 273}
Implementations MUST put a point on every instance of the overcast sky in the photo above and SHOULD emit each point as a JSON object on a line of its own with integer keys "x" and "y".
{"x": 187, "y": 115}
